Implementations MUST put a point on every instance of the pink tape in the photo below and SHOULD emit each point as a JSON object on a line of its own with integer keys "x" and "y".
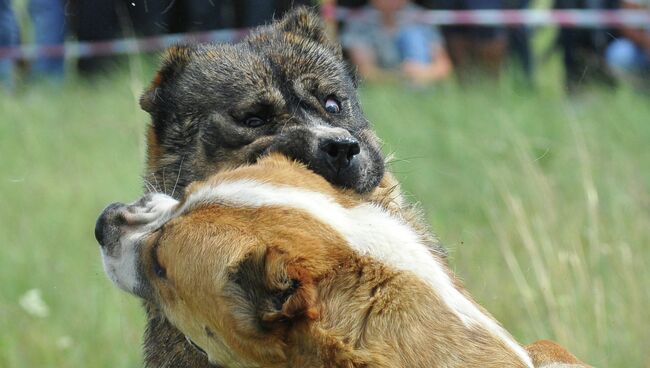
{"x": 564, "y": 18}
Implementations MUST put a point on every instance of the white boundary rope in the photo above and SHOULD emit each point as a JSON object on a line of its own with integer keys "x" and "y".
{"x": 534, "y": 18}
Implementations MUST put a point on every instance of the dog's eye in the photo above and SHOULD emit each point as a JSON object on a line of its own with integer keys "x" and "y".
{"x": 254, "y": 122}
{"x": 158, "y": 269}
{"x": 332, "y": 105}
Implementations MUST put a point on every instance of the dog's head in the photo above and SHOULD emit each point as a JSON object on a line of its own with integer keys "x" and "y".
{"x": 284, "y": 89}
{"x": 235, "y": 274}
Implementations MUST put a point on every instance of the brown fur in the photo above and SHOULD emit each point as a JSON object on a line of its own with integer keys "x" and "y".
{"x": 548, "y": 354}
{"x": 226, "y": 267}
{"x": 224, "y": 264}
{"x": 177, "y": 155}
{"x": 197, "y": 93}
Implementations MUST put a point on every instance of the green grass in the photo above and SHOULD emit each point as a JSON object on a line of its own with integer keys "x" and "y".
{"x": 543, "y": 202}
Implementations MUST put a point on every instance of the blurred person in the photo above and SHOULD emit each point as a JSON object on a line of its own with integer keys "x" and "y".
{"x": 384, "y": 42}
{"x": 584, "y": 49}
{"x": 8, "y": 38}
{"x": 201, "y": 15}
{"x": 629, "y": 55}
{"x": 48, "y": 21}
{"x": 103, "y": 20}
{"x": 519, "y": 47}
{"x": 476, "y": 50}
{"x": 95, "y": 20}
{"x": 252, "y": 13}
{"x": 147, "y": 18}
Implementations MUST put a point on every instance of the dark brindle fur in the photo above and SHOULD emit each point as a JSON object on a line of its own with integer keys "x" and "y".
{"x": 219, "y": 106}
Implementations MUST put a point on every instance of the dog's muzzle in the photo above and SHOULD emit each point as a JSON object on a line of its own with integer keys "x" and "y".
{"x": 107, "y": 227}
{"x": 120, "y": 231}
{"x": 117, "y": 217}
{"x": 339, "y": 152}
{"x": 333, "y": 153}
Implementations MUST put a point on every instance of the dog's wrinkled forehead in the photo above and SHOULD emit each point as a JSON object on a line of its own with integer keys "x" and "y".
{"x": 273, "y": 56}
{"x": 225, "y": 72}
{"x": 217, "y": 75}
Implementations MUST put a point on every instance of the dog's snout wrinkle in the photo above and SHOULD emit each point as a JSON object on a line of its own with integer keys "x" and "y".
{"x": 118, "y": 218}
{"x": 148, "y": 209}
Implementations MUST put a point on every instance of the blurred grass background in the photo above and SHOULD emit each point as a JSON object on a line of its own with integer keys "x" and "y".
{"x": 543, "y": 201}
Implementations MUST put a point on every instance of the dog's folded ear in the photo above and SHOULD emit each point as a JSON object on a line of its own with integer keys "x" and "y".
{"x": 293, "y": 293}
{"x": 278, "y": 290}
{"x": 173, "y": 63}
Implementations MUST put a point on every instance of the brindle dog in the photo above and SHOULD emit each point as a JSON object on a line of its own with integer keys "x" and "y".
{"x": 285, "y": 88}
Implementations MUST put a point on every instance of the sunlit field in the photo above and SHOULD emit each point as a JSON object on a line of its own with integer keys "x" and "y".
{"x": 542, "y": 201}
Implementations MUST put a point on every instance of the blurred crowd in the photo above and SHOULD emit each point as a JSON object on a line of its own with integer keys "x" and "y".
{"x": 52, "y": 21}
{"x": 385, "y": 42}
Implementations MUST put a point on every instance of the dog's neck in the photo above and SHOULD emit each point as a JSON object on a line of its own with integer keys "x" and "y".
{"x": 374, "y": 316}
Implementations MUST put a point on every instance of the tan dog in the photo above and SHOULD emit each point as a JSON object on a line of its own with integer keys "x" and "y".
{"x": 269, "y": 265}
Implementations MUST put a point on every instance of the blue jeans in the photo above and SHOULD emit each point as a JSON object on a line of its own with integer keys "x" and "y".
{"x": 624, "y": 57}
{"x": 8, "y": 37}
{"x": 48, "y": 19}
{"x": 49, "y": 29}
{"x": 414, "y": 43}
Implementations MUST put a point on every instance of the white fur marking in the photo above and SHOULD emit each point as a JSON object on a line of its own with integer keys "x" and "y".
{"x": 122, "y": 268}
{"x": 369, "y": 230}
{"x": 121, "y": 261}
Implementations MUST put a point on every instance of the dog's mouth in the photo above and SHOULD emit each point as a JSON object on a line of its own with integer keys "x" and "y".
{"x": 334, "y": 154}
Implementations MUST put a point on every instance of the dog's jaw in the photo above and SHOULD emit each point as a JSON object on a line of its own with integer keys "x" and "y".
{"x": 121, "y": 268}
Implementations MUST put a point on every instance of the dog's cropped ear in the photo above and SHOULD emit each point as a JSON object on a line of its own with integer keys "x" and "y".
{"x": 173, "y": 63}
{"x": 279, "y": 290}
{"x": 306, "y": 23}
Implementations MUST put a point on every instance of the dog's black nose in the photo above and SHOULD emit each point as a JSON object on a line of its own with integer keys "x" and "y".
{"x": 107, "y": 222}
{"x": 340, "y": 151}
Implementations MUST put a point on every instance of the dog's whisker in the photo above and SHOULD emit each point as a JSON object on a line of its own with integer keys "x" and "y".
{"x": 292, "y": 117}
{"x": 164, "y": 182}
{"x": 180, "y": 168}
{"x": 155, "y": 178}
{"x": 392, "y": 160}
{"x": 150, "y": 188}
